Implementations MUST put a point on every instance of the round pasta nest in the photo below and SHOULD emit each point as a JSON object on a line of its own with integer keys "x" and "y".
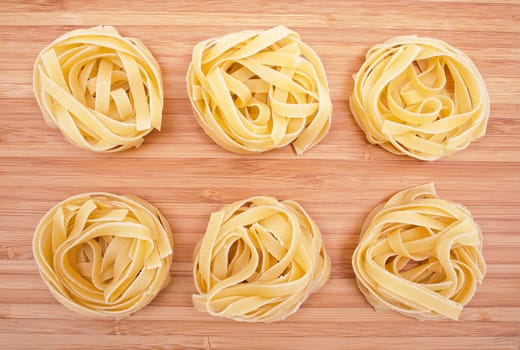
{"x": 419, "y": 97}
{"x": 419, "y": 255}
{"x": 102, "y": 91}
{"x": 258, "y": 261}
{"x": 254, "y": 91}
{"x": 102, "y": 254}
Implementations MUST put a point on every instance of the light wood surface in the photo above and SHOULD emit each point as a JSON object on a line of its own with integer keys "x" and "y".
{"x": 187, "y": 176}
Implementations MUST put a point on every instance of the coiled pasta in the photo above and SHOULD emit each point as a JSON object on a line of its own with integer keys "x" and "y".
{"x": 255, "y": 91}
{"x": 258, "y": 261}
{"x": 102, "y": 254}
{"x": 419, "y": 255}
{"x": 419, "y": 97}
{"x": 102, "y": 91}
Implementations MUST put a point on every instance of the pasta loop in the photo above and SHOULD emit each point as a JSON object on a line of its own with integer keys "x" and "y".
{"x": 419, "y": 255}
{"x": 419, "y": 97}
{"x": 255, "y": 91}
{"x": 102, "y": 91}
{"x": 102, "y": 254}
{"x": 258, "y": 261}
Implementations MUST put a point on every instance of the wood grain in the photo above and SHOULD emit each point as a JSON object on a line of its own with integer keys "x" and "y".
{"x": 182, "y": 172}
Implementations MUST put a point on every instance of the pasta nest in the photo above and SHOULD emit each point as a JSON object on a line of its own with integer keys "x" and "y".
{"x": 419, "y": 97}
{"x": 258, "y": 261}
{"x": 254, "y": 91}
{"x": 419, "y": 255}
{"x": 102, "y": 91}
{"x": 102, "y": 254}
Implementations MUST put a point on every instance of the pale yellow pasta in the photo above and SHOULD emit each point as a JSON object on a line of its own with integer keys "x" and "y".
{"x": 254, "y": 91}
{"x": 102, "y": 91}
{"x": 102, "y": 254}
{"x": 258, "y": 261}
{"x": 419, "y": 97}
{"x": 419, "y": 255}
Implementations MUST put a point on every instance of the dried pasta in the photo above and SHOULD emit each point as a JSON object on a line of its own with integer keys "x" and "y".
{"x": 258, "y": 261}
{"x": 254, "y": 91}
{"x": 419, "y": 255}
{"x": 102, "y": 254}
{"x": 419, "y": 97}
{"x": 102, "y": 91}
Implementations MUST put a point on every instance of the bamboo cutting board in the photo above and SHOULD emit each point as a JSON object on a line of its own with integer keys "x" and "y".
{"x": 187, "y": 176}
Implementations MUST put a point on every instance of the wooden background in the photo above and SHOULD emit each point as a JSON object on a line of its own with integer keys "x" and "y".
{"x": 187, "y": 176}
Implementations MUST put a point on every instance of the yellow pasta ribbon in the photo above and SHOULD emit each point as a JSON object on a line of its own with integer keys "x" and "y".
{"x": 102, "y": 91}
{"x": 258, "y": 261}
{"x": 254, "y": 91}
{"x": 419, "y": 255}
{"x": 420, "y": 97}
{"x": 102, "y": 254}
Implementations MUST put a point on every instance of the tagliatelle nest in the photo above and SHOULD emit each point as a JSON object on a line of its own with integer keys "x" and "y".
{"x": 102, "y": 254}
{"x": 258, "y": 261}
{"x": 255, "y": 91}
{"x": 419, "y": 255}
{"x": 102, "y": 91}
{"x": 419, "y": 97}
